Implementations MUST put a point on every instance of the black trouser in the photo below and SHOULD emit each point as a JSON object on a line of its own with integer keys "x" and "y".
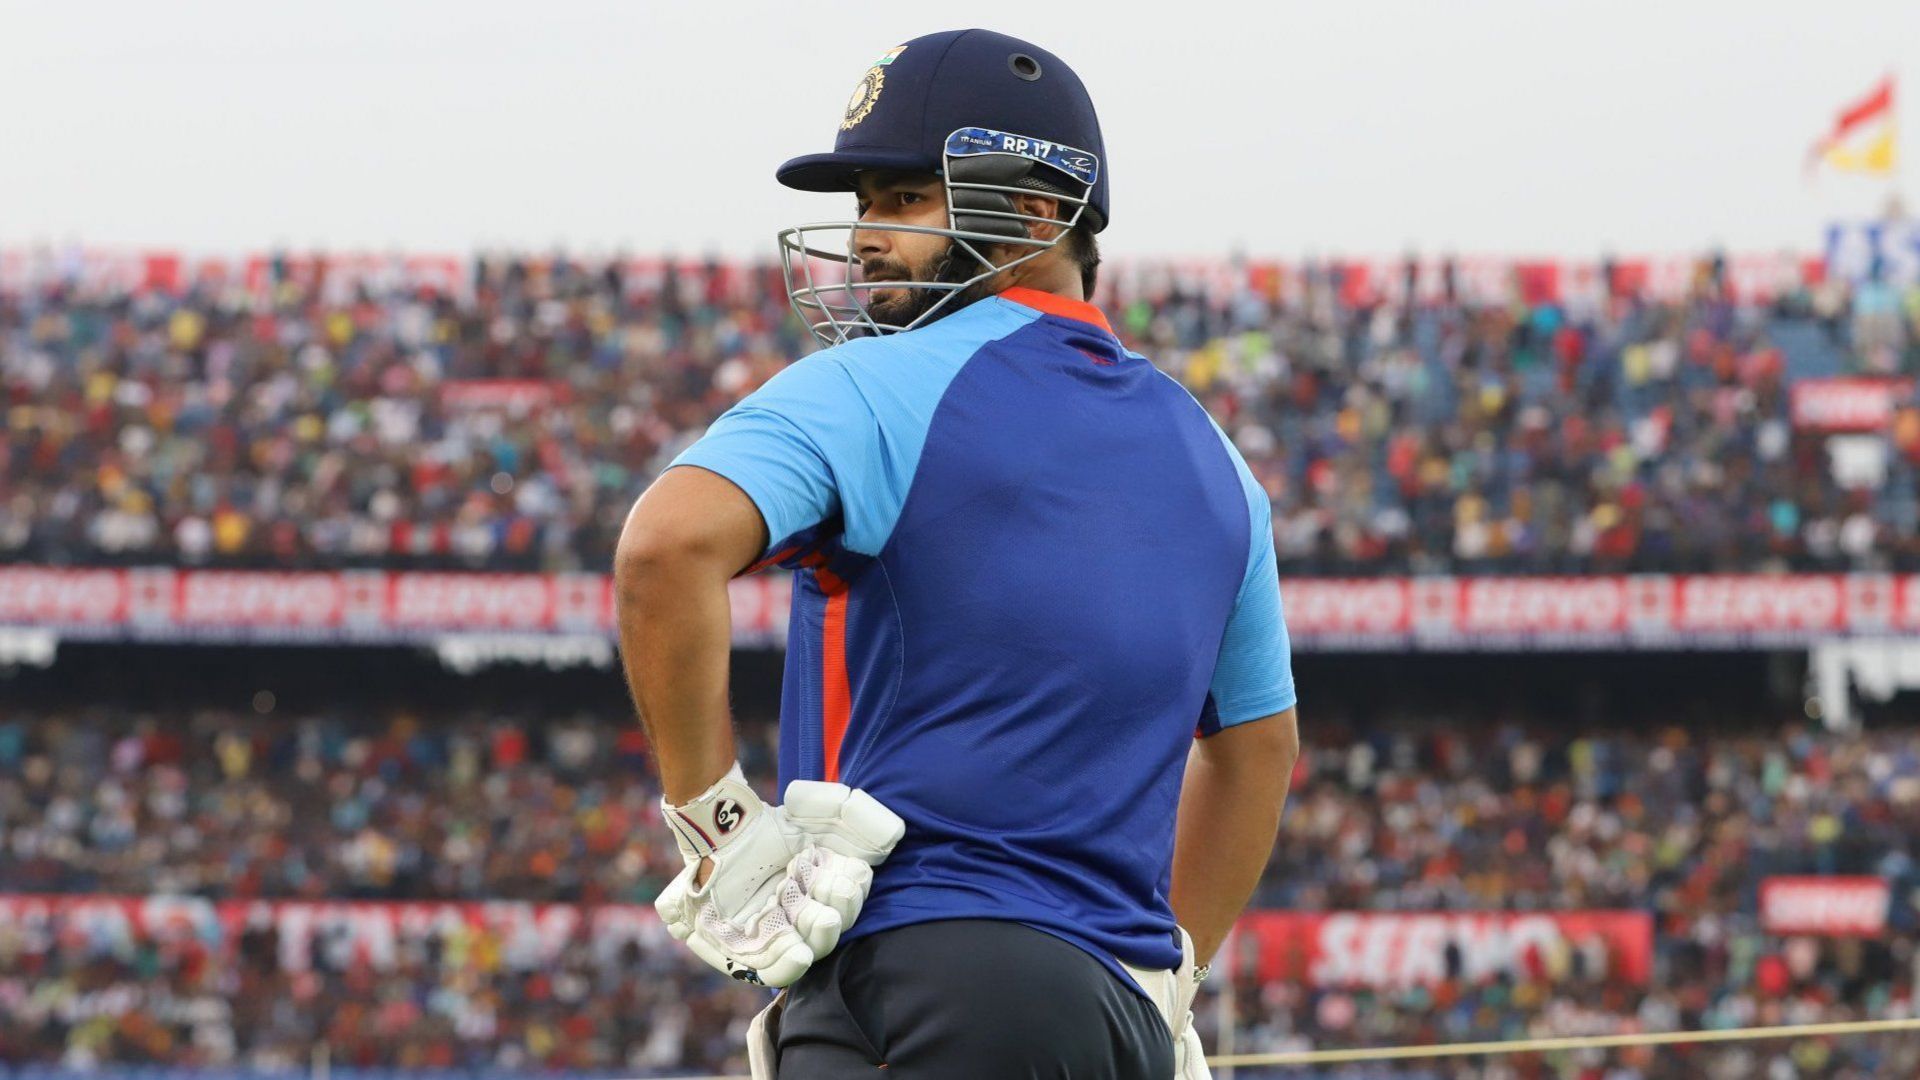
{"x": 968, "y": 999}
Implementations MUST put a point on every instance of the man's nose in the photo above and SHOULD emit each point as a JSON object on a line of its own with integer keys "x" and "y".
{"x": 870, "y": 242}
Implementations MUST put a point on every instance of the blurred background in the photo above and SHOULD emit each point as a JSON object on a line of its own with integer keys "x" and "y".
{"x": 1576, "y": 347}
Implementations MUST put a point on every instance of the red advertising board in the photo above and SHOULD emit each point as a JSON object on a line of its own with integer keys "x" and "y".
{"x": 1385, "y": 949}
{"x": 1830, "y": 906}
{"x": 526, "y": 394}
{"x": 1709, "y": 611}
{"x": 1332, "y": 949}
{"x": 1652, "y": 611}
{"x": 1848, "y": 404}
{"x": 343, "y": 606}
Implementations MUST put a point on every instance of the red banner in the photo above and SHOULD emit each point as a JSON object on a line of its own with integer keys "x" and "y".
{"x": 1397, "y": 949}
{"x": 1379, "y": 949}
{"x": 346, "y": 606}
{"x": 1832, "y": 906}
{"x": 1848, "y": 404}
{"x": 527, "y": 394}
{"x": 1650, "y": 611}
{"x": 1720, "y": 611}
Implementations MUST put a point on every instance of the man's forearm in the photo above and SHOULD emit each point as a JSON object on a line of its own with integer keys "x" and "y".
{"x": 675, "y": 633}
{"x": 1230, "y": 803}
{"x": 684, "y": 541}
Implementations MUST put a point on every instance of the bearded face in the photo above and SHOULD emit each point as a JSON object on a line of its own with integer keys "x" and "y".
{"x": 943, "y": 264}
{"x": 908, "y": 267}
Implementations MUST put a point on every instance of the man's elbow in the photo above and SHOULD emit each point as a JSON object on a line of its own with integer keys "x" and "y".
{"x": 691, "y": 528}
{"x": 644, "y": 550}
{"x": 658, "y": 549}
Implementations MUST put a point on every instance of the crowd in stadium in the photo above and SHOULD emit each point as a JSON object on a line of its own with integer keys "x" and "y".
{"x": 71, "y": 997}
{"x": 491, "y": 806}
{"x": 1411, "y": 813}
{"x": 308, "y": 425}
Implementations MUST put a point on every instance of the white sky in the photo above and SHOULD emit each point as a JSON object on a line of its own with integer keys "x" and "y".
{"x": 1486, "y": 126}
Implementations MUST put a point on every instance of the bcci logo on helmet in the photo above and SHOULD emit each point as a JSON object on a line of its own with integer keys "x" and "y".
{"x": 868, "y": 92}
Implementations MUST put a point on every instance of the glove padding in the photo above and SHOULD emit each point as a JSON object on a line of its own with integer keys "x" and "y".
{"x": 786, "y": 881}
{"x": 1189, "y": 1056}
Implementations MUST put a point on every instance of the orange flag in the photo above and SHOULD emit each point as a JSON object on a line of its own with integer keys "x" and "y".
{"x": 1862, "y": 139}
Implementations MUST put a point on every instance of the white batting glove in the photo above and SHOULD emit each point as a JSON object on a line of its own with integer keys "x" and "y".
{"x": 844, "y": 820}
{"x": 1172, "y": 993}
{"x": 778, "y": 895}
{"x": 1189, "y": 1056}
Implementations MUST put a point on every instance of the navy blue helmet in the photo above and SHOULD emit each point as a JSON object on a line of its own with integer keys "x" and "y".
{"x": 993, "y": 117}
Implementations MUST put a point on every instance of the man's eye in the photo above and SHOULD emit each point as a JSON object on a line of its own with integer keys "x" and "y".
{"x": 908, "y": 198}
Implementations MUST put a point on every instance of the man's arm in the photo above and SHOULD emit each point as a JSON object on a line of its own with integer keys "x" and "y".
{"x": 685, "y": 539}
{"x": 1236, "y": 784}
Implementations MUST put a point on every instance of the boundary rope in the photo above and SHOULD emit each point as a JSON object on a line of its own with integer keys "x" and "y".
{"x": 1575, "y": 1042}
{"x": 1536, "y": 1046}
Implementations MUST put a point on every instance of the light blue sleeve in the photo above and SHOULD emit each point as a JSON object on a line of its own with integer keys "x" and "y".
{"x": 791, "y": 445}
{"x": 1254, "y": 675}
{"x": 839, "y": 433}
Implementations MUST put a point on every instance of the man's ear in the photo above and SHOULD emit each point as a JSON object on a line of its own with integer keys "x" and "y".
{"x": 1040, "y": 206}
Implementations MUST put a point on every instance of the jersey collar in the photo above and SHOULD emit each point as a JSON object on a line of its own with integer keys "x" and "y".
{"x": 1051, "y": 304}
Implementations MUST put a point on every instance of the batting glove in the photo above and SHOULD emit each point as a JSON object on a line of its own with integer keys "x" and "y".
{"x": 1172, "y": 993}
{"x": 785, "y": 882}
{"x": 1189, "y": 1056}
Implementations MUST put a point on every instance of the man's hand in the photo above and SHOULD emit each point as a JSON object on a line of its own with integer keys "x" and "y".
{"x": 784, "y": 882}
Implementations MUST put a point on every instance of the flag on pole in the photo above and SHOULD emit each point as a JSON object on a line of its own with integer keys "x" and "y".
{"x": 1862, "y": 139}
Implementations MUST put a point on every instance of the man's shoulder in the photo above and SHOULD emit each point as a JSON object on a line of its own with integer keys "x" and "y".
{"x": 1195, "y": 413}
{"x": 1184, "y": 401}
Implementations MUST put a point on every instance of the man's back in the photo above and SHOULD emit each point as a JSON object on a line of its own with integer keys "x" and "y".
{"x": 1029, "y": 570}
{"x": 1019, "y": 551}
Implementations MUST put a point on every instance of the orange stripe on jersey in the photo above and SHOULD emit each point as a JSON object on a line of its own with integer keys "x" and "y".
{"x": 836, "y": 694}
{"x": 1054, "y": 304}
{"x": 783, "y": 553}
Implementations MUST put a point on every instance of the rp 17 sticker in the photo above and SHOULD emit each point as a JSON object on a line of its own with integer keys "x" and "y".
{"x": 1078, "y": 164}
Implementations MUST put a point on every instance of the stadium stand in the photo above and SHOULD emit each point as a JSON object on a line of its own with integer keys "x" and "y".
{"x": 504, "y": 415}
{"x": 200, "y": 885}
{"x": 449, "y": 875}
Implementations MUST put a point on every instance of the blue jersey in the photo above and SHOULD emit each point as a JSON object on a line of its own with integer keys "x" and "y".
{"x": 1029, "y": 570}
